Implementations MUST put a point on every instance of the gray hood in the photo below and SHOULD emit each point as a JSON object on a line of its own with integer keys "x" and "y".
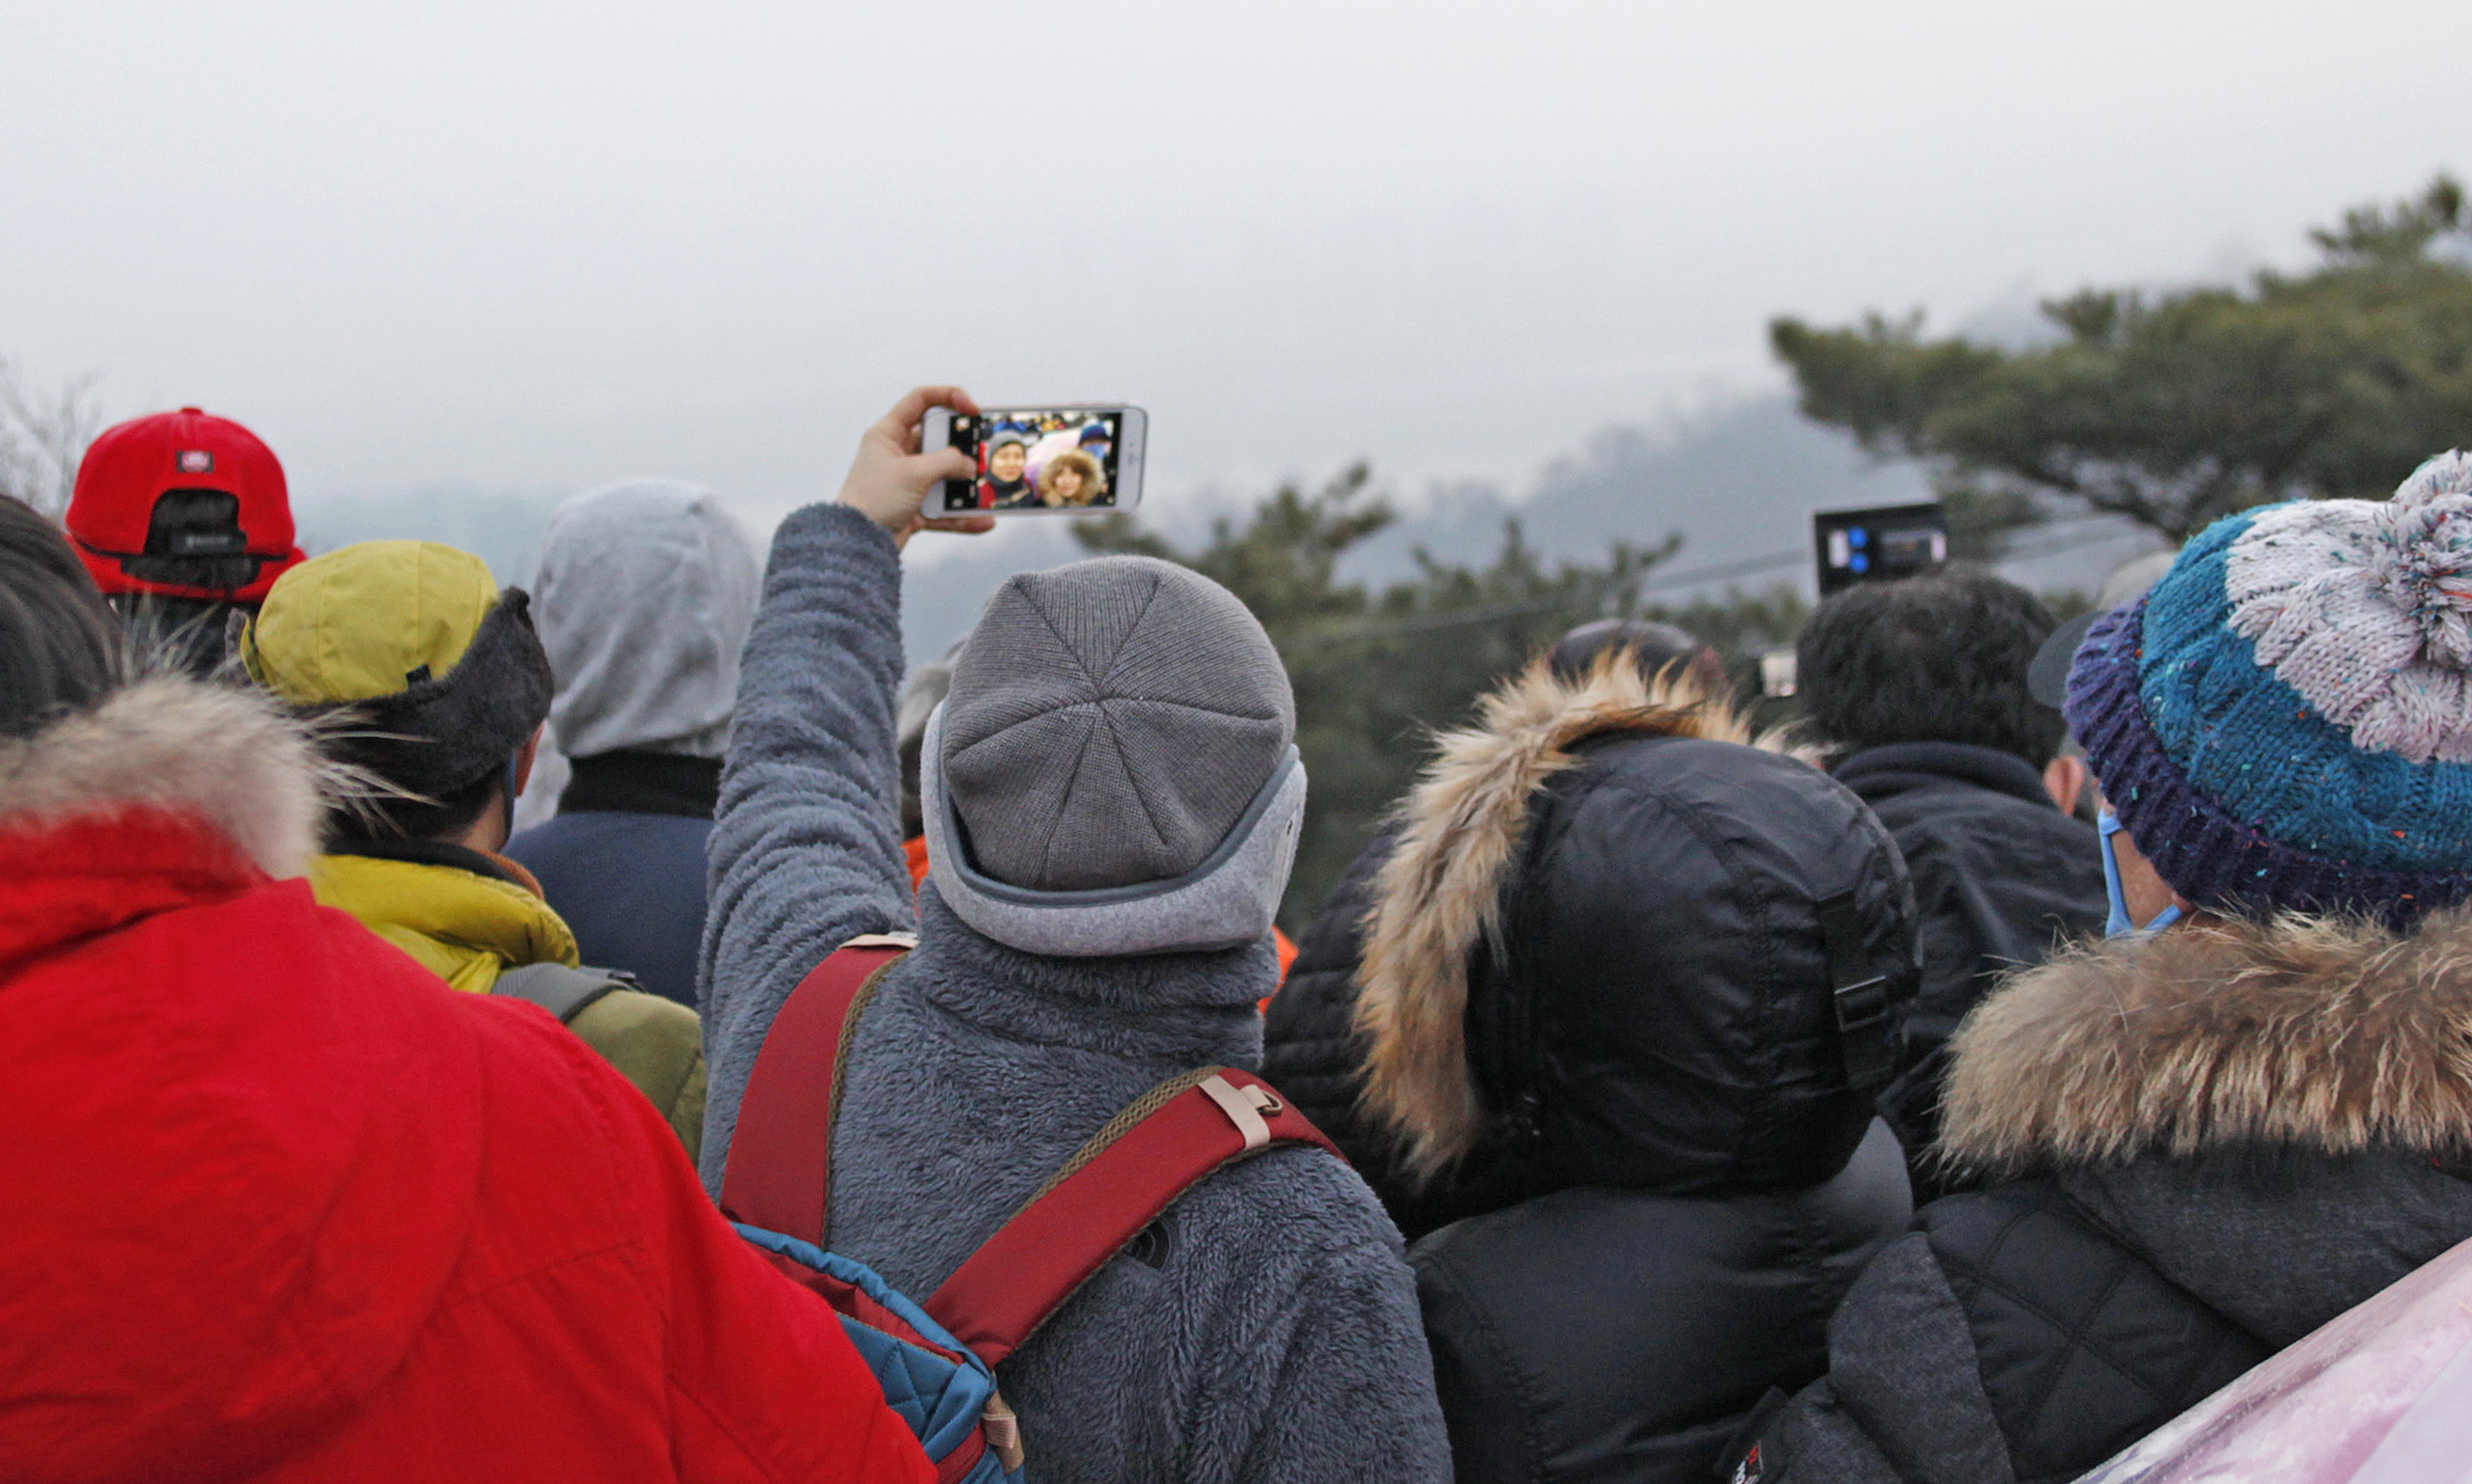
{"x": 646, "y": 592}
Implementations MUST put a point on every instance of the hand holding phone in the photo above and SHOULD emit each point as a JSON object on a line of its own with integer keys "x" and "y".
{"x": 1081, "y": 459}
{"x": 891, "y": 476}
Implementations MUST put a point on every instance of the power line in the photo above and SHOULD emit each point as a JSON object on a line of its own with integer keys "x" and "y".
{"x": 1690, "y": 577}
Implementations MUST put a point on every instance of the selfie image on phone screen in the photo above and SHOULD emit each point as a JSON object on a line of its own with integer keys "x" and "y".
{"x": 1053, "y": 459}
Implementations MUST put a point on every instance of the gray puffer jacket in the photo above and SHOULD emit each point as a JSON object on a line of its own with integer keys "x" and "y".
{"x": 1267, "y": 1328}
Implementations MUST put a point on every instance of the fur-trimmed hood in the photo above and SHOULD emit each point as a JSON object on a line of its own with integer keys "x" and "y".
{"x": 1552, "y": 972}
{"x": 2332, "y": 1035}
{"x": 222, "y": 754}
{"x": 1440, "y": 895}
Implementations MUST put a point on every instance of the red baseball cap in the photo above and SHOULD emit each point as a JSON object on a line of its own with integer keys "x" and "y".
{"x": 182, "y": 505}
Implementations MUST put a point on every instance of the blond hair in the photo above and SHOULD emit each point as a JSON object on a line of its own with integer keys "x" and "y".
{"x": 1094, "y": 479}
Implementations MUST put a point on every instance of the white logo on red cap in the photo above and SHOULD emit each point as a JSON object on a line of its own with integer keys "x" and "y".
{"x": 197, "y": 460}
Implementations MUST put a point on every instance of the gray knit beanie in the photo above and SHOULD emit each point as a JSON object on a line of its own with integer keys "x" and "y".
{"x": 1109, "y": 723}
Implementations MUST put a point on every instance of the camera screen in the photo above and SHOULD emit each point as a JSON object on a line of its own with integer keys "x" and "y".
{"x": 1038, "y": 458}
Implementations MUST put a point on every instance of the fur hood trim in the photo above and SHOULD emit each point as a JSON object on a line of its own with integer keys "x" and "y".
{"x": 1440, "y": 894}
{"x": 2333, "y": 1034}
{"x": 225, "y": 754}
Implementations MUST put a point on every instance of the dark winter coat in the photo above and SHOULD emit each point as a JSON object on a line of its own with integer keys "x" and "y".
{"x": 2002, "y": 877}
{"x": 1272, "y": 1334}
{"x": 624, "y": 862}
{"x": 1601, "y": 1021}
{"x": 1607, "y": 1335}
{"x": 1311, "y": 1049}
{"x": 2214, "y": 1139}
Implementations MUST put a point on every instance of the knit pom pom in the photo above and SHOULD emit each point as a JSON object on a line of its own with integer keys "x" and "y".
{"x": 2364, "y": 609}
{"x": 2424, "y": 563}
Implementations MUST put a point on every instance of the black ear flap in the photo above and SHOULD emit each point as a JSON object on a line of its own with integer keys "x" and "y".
{"x": 443, "y": 732}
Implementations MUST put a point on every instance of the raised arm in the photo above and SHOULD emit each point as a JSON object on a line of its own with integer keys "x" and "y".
{"x": 806, "y": 848}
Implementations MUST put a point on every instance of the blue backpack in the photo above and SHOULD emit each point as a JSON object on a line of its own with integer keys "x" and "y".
{"x": 936, "y": 1360}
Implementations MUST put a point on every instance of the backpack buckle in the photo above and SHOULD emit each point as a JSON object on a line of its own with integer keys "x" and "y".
{"x": 1003, "y": 1432}
{"x": 1245, "y": 1107}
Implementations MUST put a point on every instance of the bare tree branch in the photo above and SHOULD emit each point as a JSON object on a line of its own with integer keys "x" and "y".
{"x": 43, "y": 437}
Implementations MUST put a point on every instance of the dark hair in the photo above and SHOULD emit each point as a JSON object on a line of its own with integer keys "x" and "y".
{"x": 60, "y": 650}
{"x": 1941, "y": 657}
{"x": 1655, "y": 645}
{"x": 191, "y": 635}
{"x": 442, "y": 818}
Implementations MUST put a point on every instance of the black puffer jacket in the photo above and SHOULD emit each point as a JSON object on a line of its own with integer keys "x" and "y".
{"x": 1596, "y": 1333}
{"x": 1626, "y": 985}
{"x": 2001, "y": 876}
{"x": 2001, "y": 879}
{"x": 1309, "y": 1050}
{"x": 2221, "y": 1138}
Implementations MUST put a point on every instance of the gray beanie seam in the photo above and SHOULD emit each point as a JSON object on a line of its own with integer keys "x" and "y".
{"x": 1141, "y": 795}
{"x": 1097, "y": 682}
{"x": 1101, "y": 706}
{"x": 1116, "y": 658}
{"x": 1047, "y": 850}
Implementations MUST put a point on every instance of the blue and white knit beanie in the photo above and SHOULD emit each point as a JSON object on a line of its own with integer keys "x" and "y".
{"x": 2284, "y": 723}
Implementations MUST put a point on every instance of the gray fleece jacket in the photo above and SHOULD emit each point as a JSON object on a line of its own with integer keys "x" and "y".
{"x": 1267, "y": 1329}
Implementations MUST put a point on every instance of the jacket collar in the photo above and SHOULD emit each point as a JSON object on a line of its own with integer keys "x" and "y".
{"x": 223, "y": 756}
{"x": 461, "y": 857}
{"x": 463, "y": 925}
{"x": 2332, "y": 1035}
{"x": 1882, "y": 772}
{"x": 643, "y": 783}
{"x": 1438, "y": 896}
{"x": 1172, "y": 1010}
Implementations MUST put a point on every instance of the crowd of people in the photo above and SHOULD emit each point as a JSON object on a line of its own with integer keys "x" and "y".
{"x": 1956, "y": 1085}
{"x": 1053, "y": 461}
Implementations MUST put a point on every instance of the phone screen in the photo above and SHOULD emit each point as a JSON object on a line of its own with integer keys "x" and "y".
{"x": 1038, "y": 458}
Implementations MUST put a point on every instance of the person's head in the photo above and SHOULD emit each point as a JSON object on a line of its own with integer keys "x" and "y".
{"x": 431, "y": 678}
{"x": 1094, "y": 441}
{"x": 2283, "y": 724}
{"x": 60, "y": 650}
{"x": 1615, "y": 946}
{"x": 1114, "y": 768}
{"x": 920, "y": 694}
{"x": 646, "y": 591}
{"x": 1654, "y": 648}
{"x": 1937, "y": 659}
{"x": 1006, "y": 460}
{"x": 1072, "y": 478}
{"x": 182, "y": 507}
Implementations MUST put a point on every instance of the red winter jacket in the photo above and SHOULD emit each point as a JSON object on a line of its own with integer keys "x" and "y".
{"x": 282, "y": 1206}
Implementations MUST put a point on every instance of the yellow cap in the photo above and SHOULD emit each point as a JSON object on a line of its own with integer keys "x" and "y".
{"x": 369, "y": 620}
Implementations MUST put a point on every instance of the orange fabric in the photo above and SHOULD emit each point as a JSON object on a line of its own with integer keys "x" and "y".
{"x": 1286, "y": 958}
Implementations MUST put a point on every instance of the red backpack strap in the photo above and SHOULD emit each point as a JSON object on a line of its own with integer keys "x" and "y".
{"x": 1117, "y": 1184}
{"x": 778, "y": 1170}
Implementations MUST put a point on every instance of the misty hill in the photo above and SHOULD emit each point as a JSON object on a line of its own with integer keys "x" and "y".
{"x": 1738, "y": 482}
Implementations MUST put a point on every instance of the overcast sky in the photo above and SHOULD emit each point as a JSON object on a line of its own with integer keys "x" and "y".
{"x": 540, "y": 246}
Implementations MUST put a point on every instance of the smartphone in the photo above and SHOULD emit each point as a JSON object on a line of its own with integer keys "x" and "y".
{"x": 1878, "y": 545}
{"x": 1079, "y": 458}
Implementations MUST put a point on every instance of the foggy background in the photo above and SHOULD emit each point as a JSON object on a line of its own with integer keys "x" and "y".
{"x": 456, "y": 261}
